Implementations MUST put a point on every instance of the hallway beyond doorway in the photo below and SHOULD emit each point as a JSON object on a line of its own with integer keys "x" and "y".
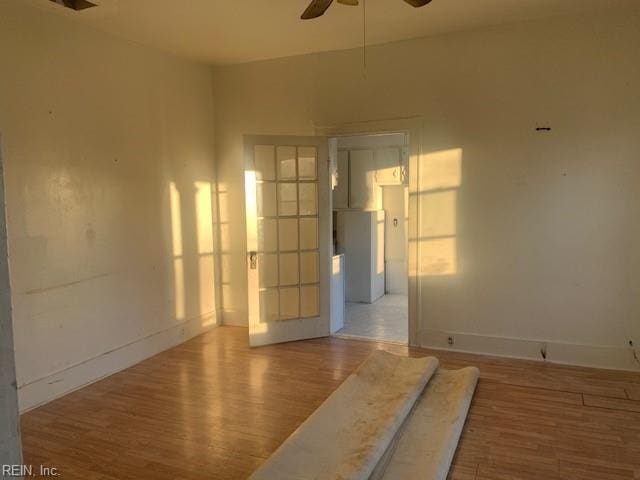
{"x": 385, "y": 319}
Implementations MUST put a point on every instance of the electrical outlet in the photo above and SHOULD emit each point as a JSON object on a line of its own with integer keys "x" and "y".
{"x": 450, "y": 340}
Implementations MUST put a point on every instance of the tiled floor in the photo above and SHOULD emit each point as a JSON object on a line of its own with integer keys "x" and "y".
{"x": 385, "y": 319}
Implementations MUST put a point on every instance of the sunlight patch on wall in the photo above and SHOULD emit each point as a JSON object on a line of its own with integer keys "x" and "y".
{"x": 440, "y": 170}
{"x": 204, "y": 233}
{"x": 224, "y": 245}
{"x": 253, "y": 283}
{"x": 178, "y": 261}
{"x": 438, "y": 214}
{"x": 440, "y": 176}
{"x": 251, "y": 209}
{"x": 204, "y": 217}
{"x": 438, "y": 257}
{"x": 176, "y": 219}
{"x": 178, "y": 281}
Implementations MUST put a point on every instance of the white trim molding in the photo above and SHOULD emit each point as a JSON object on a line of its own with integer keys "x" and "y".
{"x": 43, "y": 390}
{"x": 597, "y": 356}
{"x": 413, "y": 127}
{"x": 235, "y": 317}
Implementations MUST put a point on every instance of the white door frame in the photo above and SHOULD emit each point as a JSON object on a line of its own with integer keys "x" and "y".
{"x": 413, "y": 127}
{"x": 10, "y": 446}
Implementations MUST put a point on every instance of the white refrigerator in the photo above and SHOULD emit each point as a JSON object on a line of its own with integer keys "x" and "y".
{"x": 360, "y": 237}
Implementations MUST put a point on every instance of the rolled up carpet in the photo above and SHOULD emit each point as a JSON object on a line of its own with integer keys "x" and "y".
{"x": 426, "y": 443}
{"x": 348, "y": 435}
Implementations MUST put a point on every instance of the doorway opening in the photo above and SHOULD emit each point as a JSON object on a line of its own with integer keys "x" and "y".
{"x": 370, "y": 205}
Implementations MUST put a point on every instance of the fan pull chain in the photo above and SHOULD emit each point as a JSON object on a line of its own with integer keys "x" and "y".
{"x": 364, "y": 38}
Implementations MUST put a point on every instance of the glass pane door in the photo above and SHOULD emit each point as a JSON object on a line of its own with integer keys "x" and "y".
{"x": 287, "y": 234}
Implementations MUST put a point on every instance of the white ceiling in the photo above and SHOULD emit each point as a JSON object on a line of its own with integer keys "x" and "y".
{"x": 235, "y": 31}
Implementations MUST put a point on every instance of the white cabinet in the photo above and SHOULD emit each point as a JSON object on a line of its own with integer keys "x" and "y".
{"x": 363, "y": 171}
{"x": 389, "y": 166}
{"x": 363, "y": 192}
{"x": 361, "y": 239}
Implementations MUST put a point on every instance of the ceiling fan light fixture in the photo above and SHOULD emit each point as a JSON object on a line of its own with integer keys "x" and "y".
{"x": 417, "y": 3}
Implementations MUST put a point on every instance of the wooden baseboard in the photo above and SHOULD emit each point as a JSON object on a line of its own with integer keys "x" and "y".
{"x": 43, "y": 390}
{"x": 598, "y": 356}
{"x": 235, "y": 318}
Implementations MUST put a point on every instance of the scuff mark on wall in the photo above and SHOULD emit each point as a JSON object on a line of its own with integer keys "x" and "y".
{"x": 65, "y": 285}
{"x": 90, "y": 235}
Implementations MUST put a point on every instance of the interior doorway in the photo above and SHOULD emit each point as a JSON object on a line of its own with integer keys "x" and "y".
{"x": 370, "y": 204}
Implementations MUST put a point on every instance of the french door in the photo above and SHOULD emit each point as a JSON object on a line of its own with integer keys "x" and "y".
{"x": 288, "y": 237}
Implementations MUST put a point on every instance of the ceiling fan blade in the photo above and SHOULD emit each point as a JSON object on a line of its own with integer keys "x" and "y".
{"x": 82, "y": 4}
{"x": 417, "y": 3}
{"x": 351, "y": 3}
{"x": 316, "y": 9}
{"x": 75, "y": 4}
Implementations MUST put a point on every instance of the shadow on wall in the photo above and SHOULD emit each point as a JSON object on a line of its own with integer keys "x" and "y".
{"x": 192, "y": 239}
{"x": 440, "y": 177}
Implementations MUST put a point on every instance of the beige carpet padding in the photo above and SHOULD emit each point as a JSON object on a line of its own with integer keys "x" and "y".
{"x": 349, "y": 433}
{"x": 394, "y": 418}
{"x": 427, "y": 442}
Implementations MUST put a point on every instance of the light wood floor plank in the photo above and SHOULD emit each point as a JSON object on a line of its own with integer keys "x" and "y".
{"x": 213, "y": 408}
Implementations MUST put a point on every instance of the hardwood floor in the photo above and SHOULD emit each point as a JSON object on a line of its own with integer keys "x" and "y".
{"x": 213, "y": 408}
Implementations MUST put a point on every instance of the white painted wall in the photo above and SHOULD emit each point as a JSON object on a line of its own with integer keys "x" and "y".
{"x": 526, "y": 237}
{"x": 109, "y": 168}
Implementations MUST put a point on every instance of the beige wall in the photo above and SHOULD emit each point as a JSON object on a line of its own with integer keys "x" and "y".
{"x": 526, "y": 238}
{"x": 108, "y": 265}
